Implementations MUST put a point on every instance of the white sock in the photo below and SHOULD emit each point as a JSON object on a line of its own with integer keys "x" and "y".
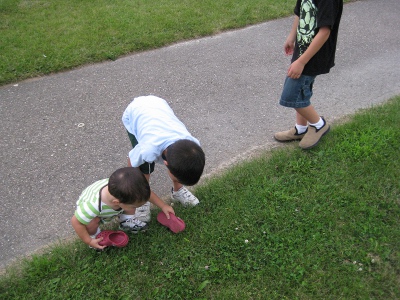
{"x": 123, "y": 217}
{"x": 319, "y": 124}
{"x": 301, "y": 128}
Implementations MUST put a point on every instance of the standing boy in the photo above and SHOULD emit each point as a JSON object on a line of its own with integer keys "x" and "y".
{"x": 312, "y": 42}
{"x": 157, "y": 135}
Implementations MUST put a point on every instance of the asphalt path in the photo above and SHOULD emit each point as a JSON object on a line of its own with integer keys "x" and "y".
{"x": 62, "y": 132}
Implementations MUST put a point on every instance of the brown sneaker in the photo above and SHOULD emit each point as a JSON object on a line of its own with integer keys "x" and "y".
{"x": 288, "y": 135}
{"x": 313, "y": 136}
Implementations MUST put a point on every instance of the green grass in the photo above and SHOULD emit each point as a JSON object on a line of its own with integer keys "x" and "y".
{"x": 292, "y": 224}
{"x": 41, "y": 36}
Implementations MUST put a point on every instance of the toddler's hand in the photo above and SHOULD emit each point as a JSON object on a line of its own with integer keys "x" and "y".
{"x": 94, "y": 243}
{"x": 168, "y": 210}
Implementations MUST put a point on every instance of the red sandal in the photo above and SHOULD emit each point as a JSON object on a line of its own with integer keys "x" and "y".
{"x": 113, "y": 238}
{"x": 174, "y": 223}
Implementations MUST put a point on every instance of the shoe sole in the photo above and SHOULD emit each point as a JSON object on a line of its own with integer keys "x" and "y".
{"x": 312, "y": 146}
{"x": 287, "y": 141}
{"x": 189, "y": 204}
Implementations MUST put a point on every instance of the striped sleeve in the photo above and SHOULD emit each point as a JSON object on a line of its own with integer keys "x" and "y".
{"x": 88, "y": 202}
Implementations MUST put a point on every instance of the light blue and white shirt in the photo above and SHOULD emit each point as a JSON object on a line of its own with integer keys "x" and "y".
{"x": 151, "y": 120}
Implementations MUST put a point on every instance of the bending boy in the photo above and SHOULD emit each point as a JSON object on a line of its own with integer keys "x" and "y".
{"x": 157, "y": 135}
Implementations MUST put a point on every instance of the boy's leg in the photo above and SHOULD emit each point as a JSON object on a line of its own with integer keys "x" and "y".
{"x": 297, "y": 94}
{"x": 93, "y": 227}
{"x": 137, "y": 222}
{"x": 306, "y": 115}
{"x": 143, "y": 212}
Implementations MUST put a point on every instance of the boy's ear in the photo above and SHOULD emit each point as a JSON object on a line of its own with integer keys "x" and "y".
{"x": 115, "y": 201}
{"x": 165, "y": 163}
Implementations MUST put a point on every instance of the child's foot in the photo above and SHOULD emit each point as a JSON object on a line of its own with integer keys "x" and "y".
{"x": 143, "y": 212}
{"x": 184, "y": 196}
{"x": 288, "y": 135}
{"x": 133, "y": 225}
{"x": 313, "y": 136}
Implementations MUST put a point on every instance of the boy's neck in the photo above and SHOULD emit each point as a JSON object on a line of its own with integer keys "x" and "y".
{"x": 107, "y": 198}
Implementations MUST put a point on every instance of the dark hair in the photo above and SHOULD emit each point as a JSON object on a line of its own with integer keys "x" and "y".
{"x": 186, "y": 161}
{"x": 129, "y": 185}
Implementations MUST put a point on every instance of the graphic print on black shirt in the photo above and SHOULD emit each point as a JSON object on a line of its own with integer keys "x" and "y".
{"x": 307, "y": 25}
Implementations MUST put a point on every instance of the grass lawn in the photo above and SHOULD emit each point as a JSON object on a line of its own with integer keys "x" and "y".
{"x": 292, "y": 224}
{"x": 39, "y": 37}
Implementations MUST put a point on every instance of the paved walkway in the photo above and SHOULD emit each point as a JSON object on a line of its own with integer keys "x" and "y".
{"x": 62, "y": 132}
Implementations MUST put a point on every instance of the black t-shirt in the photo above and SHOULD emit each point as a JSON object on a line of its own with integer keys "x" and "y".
{"x": 314, "y": 14}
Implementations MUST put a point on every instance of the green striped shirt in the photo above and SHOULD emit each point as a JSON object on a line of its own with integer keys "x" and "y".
{"x": 88, "y": 204}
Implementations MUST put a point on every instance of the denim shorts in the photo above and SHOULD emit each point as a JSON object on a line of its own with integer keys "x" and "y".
{"x": 297, "y": 92}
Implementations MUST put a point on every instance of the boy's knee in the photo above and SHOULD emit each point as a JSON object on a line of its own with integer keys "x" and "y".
{"x": 93, "y": 225}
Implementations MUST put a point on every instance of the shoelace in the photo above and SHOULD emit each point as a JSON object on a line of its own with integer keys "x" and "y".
{"x": 187, "y": 195}
{"x": 134, "y": 222}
